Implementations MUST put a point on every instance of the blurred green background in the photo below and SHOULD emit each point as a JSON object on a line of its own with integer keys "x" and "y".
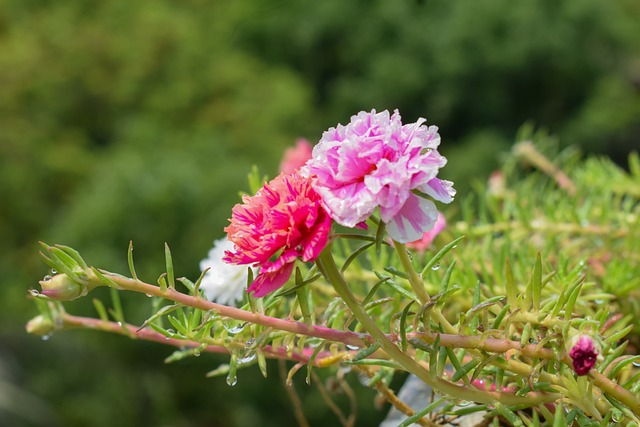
{"x": 124, "y": 120}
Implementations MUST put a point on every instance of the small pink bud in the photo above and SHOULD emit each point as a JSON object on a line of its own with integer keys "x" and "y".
{"x": 584, "y": 355}
{"x": 61, "y": 288}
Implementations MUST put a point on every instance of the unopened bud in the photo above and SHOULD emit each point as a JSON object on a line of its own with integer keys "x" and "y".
{"x": 62, "y": 288}
{"x": 40, "y": 325}
{"x": 584, "y": 355}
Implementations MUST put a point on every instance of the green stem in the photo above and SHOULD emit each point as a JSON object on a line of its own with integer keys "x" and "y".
{"x": 327, "y": 266}
{"x": 414, "y": 278}
{"x": 418, "y": 287}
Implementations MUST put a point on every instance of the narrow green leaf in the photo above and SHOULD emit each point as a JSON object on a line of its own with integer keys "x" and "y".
{"x": 430, "y": 408}
{"x": 622, "y": 364}
{"x": 617, "y": 336}
{"x": 355, "y": 254}
{"x": 162, "y": 281}
{"x": 374, "y": 288}
{"x": 70, "y": 264}
{"x": 116, "y": 311}
{"x": 571, "y": 301}
{"x": 164, "y": 310}
{"x": 75, "y": 255}
{"x": 509, "y": 415}
{"x": 500, "y": 316}
{"x": 558, "y": 418}
{"x": 104, "y": 279}
{"x": 526, "y": 335}
{"x": 132, "y": 268}
{"x": 403, "y": 326}
{"x": 169, "y": 262}
{"x": 100, "y": 308}
{"x": 303, "y": 298}
{"x": 366, "y": 352}
{"x": 262, "y": 363}
{"x": 421, "y": 345}
{"x": 374, "y": 362}
{"x": 396, "y": 272}
{"x": 446, "y": 279}
{"x": 464, "y": 370}
{"x": 438, "y": 256}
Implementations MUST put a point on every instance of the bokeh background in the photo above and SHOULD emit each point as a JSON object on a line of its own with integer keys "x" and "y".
{"x": 139, "y": 120}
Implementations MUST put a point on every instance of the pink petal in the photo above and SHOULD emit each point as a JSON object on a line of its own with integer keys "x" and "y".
{"x": 417, "y": 216}
{"x": 267, "y": 282}
{"x": 439, "y": 189}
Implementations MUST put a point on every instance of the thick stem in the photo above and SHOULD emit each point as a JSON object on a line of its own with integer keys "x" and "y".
{"x": 327, "y": 266}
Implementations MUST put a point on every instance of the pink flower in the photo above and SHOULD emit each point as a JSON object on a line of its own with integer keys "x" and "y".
{"x": 584, "y": 355}
{"x": 282, "y": 222}
{"x": 423, "y": 244}
{"x": 377, "y": 162}
{"x": 295, "y": 157}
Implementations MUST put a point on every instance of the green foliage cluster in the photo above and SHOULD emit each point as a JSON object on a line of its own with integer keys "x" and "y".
{"x": 138, "y": 121}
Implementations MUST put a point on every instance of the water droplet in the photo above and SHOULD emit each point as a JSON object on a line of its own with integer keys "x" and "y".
{"x": 171, "y": 333}
{"x": 232, "y": 380}
{"x": 53, "y": 271}
{"x": 250, "y": 358}
{"x": 120, "y": 324}
{"x": 636, "y": 364}
{"x": 148, "y": 295}
{"x": 34, "y": 292}
{"x": 196, "y": 353}
{"x": 353, "y": 347}
{"x": 464, "y": 403}
{"x": 436, "y": 266}
{"x": 46, "y": 278}
{"x": 235, "y": 329}
{"x": 249, "y": 344}
{"x": 46, "y": 337}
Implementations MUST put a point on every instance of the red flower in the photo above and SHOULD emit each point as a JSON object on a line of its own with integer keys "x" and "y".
{"x": 584, "y": 355}
{"x": 282, "y": 222}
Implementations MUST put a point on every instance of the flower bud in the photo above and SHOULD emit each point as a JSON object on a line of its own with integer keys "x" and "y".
{"x": 584, "y": 355}
{"x": 62, "y": 288}
{"x": 40, "y": 325}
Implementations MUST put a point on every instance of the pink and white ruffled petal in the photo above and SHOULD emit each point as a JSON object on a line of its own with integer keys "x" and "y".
{"x": 416, "y": 217}
{"x": 267, "y": 282}
{"x": 348, "y": 205}
{"x": 440, "y": 189}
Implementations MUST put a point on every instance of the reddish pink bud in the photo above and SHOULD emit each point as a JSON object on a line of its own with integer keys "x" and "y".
{"x": 584, "y": 355}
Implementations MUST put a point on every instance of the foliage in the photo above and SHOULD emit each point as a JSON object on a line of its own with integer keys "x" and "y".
{"x": 536, "y": 261}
